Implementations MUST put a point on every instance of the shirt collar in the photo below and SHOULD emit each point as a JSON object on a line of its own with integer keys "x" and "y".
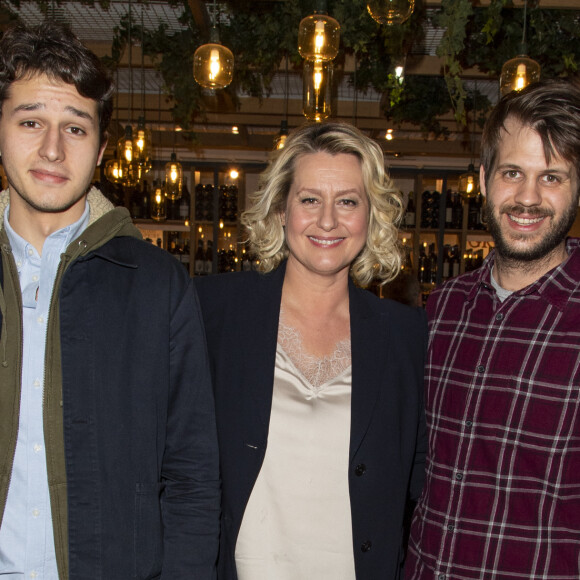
{"x": 20, "y": 246}
{"x": 556, "y": 286}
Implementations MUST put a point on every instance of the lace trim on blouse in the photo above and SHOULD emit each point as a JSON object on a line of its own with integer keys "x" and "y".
{"x": 316, "y": 370}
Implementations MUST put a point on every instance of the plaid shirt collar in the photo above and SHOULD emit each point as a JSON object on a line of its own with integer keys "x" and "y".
{"x": 556, "y": 286}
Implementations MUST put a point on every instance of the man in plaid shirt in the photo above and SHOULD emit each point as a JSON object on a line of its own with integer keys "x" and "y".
{"x": 502, "y": 496}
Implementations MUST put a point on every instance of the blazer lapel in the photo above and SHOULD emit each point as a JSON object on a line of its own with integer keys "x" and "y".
{"x": 260, "y": 344}
{"x": 370, "y": 354}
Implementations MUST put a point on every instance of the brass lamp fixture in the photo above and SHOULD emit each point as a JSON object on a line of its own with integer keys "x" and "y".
{"x": 390, "y": 12}
{"x": 520, "y": 71}
{"x": 213, "y": 63}
{"x": 319, "y": 35}
{"x": 317, "y": 90}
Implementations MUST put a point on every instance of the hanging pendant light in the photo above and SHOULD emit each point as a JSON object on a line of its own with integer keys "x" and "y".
{"x": 127, "y": 169}
{"x": 316, "y": 90}
{"x": 173, "y": 178}
{"x": 280, "y": 140}
{"x": 213, "y": 63}
{"x": 318, "y": 35}
{"x": 390, "y": 12}
{"x": 158, "y": 203}
{"x": 520, "y": 71}
{"x": 114, "y": 170}
{"x": 469, "y": 182}
{"x": 142, "y": 144}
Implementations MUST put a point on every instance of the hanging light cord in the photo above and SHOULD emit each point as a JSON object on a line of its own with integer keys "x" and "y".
{"x": 525, "y": 20}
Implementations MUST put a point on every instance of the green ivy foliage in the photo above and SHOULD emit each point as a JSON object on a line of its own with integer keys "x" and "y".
{"x": 263, "y": 35}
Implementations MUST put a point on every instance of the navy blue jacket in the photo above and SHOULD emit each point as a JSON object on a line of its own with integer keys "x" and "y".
{"x": 387, "y": 441}
{"x": 138, "y": 423}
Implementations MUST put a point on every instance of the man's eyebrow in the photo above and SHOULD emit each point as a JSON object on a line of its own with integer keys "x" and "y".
{"x": 37, "y": 106}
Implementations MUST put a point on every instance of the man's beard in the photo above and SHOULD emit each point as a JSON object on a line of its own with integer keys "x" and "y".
{"x": 543, "y": 247}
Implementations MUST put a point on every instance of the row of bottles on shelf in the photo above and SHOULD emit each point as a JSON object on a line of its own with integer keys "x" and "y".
{"x": 227, "y": 202}
{"x": 147, "y": 201}
{"x": 427, "y": 263}
{"x": 227, "y": 260}
{"x": 454, "y": 208}
{"x": 177, "y": 247}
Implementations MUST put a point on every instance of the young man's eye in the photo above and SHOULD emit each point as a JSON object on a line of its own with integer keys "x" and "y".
{"x": 76, "y": 131}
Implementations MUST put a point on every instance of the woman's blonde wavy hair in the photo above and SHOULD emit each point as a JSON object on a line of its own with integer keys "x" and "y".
{"x": 380, "y": 259}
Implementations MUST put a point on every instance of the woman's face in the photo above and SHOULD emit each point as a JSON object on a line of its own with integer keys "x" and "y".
{"x": 327, "y": 213}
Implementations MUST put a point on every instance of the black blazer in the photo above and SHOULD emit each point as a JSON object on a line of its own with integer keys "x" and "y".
{"x": 387, "y": 441}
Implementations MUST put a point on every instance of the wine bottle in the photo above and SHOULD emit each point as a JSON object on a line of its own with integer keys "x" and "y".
{"x": 208, "y": 262}
{"x": 199, "y": 265}
{"x": 410, "y": 213}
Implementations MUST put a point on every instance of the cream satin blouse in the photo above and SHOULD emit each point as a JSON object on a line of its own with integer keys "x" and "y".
{"x": 297, "y": 524}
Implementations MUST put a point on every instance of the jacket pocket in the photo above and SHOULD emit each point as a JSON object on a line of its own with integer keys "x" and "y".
{"x": 148, "y": 531}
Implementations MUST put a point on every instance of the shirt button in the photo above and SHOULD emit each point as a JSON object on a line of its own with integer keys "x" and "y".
{"x": 366, "y": 546}
{"x": 35, "y": 278}
{"x": 450, "y": 527}
{"x": 35, "y": 513}
{"x": 360, "y": 469}
{"x": 40, "y": 320}
{"x": 33, "y": 574}
{"x": 499, "y": 316}
{"x": 30, "y": 251}
{"x": 441, "y": 577}
{"x": 36, "y": 383}
{"x": 459, "y": 476}
{"x": 480, "y": 369}
{"x": 469, "y": 423}
{"x": 37, "y": 447}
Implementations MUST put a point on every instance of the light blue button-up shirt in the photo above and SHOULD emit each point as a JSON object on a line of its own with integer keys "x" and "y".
{"x": 26, "y": 536}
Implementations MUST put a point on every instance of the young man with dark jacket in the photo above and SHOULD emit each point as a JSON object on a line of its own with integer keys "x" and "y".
{"x": 108, "y": 453}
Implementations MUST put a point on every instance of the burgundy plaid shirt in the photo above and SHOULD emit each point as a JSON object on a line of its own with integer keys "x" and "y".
{"x": 502, "y": 497}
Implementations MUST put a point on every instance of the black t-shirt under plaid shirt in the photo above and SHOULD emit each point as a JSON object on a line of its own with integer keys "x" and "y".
{"x": 502, "y": 496}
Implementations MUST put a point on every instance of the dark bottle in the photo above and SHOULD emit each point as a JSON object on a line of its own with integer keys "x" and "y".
{"x": 472, "y": 214}
{"x": 435, "y": 197}
{"x": 199, "y": 264}
{"x": 410, "y": 214}
{"x": 135, "y": 203}
{"x": 446, "y": 272}
{"x": 208, "y": 262}
{"x": 426, "y": 209}
{"x": 186, "y": 255}
{"x": 455, "y": 261}
{"x": 145, "y": 200}
{"x": 432, "y": 264}
{"x": 449, "y": 209}
{"x": 184, "y": 202}
{"x": 457, "y": 211}
{"x": 199, "y": 201}
{"x": 423, "y": 266}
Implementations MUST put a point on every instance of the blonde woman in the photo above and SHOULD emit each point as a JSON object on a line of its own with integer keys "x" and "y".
{"x": 318, "y": 383}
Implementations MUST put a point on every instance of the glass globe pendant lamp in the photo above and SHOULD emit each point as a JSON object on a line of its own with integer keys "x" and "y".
{"x": 319, "y": 35}
{"x": 518, "y": 73}
{"x": 158, "y": 203}
{"x": 280, "y": 140}
{"x": 142, "y": 143}
{"x": 390, "y": 12}
{"x": 521, "y": 71}
{"x": 468, "y": 185}
{"x": 317, "y": 90}
{"x": 213, "y": 64}
{"x": 173, "y": 178}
